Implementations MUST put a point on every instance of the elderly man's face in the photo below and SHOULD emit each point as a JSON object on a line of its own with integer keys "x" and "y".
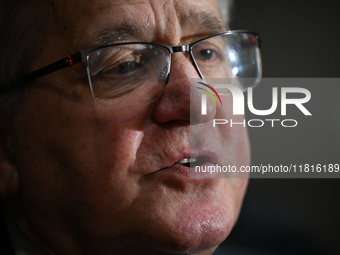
{"x": 96, "y": 179}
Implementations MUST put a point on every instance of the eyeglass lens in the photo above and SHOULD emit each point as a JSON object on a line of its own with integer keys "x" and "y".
{"x": 128, "y": 75}
{"x": 135, "y": 74}
{"x": 230, "y": 56}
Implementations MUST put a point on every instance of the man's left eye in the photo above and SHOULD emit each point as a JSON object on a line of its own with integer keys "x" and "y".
{"x": 205, "y": 55}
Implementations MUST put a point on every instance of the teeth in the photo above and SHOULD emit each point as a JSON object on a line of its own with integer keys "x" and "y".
{"x": 186, "y": 160}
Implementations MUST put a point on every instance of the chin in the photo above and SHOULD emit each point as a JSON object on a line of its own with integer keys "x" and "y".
{"x": 198, "y": 227}
{"x": 189, "y": 222}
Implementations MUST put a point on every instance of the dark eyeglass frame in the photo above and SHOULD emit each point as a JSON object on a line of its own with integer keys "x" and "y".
{"x": 81, "y": 56}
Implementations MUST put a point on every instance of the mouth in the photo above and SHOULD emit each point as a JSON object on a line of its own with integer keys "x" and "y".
{"x": 191, "y": 162}
{"x": 185, "y": 165}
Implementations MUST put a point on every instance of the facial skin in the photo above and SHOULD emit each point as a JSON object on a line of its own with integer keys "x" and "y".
{"x": 92, "y": 178}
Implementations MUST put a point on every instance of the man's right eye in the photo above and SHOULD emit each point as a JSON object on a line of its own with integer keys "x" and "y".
{"x": 123, "y": 68}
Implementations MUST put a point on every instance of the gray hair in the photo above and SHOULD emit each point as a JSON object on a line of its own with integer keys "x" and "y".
{"x": 23, "y": 26}
{"x": 225, "y": 8}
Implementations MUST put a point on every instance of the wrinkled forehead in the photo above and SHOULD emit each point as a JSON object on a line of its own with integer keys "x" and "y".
{"x": 85, "y": 23}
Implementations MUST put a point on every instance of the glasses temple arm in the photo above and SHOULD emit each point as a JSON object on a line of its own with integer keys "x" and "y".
{"x": 60, "y": 64}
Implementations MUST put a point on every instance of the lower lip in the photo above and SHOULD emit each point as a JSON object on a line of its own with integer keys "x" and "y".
{"x": 176, "y": 169}
{"x": 188, "y": 172}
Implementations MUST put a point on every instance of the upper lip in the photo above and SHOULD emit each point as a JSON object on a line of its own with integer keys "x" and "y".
{"x": 187, "y": 143}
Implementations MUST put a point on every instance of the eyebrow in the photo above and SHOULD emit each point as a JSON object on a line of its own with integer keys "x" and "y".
{"x": 120, "y": 33}
{"x": 204, "y": 20}
{"x": 125, "y": 31}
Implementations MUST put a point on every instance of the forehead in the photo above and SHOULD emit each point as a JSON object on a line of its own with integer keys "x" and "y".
{"x": 85, "y": 23}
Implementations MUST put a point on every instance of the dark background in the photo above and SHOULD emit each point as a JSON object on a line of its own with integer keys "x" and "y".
{"x": 293, "y": 216}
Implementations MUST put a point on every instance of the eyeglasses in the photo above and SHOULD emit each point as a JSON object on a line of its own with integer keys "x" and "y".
{"x": 136, "y": 73}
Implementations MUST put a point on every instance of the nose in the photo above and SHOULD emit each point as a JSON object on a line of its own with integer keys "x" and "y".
{"x": 181, "y": 99}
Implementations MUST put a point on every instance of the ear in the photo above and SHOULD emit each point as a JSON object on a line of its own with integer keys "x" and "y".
{"x": 9, "y": 181}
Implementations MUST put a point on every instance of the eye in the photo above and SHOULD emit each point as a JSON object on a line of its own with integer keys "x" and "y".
{"x": 209, "y": 52}
{"x": 123, "y": 68}
{"x": 205, "y": 55}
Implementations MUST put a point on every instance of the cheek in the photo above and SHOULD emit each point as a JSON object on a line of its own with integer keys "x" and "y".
{"x": 76, "y": 157}
{"x": 242, "y": 147}
{"x": 234, "y": 133}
